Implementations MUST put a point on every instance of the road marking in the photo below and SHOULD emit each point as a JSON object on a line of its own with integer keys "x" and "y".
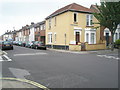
{"x": 26, "y": 81}
{"x": 112, "y": 57}
{"x": 4, "y": 52}
{"x": 1, "y": 59}
{"x": 6, "y": 57}
{"x": 28, "y": 54}
{"x": 19, "y": 73}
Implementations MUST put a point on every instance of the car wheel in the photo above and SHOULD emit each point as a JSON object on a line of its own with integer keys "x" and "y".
{"x": 12, "y": 48}
{"x": 36, "y": 47}
{"x": 44, "y": 48}
{"x": 31, "y": 47}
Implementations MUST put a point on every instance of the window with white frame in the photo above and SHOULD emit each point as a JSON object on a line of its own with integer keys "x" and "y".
{"x": 35, "y": 29}
{"x": 87, "y": 37}
{"x": 55, "y": 21}
{"x": 49, "y": 38}
{"x": 49, "y": 23}
{"x": 89, "y": 19}
{"x": 90, "y": 35}
{"x": 119, "y": 35}
{"x": 38, "y": 29}
{"x": 92, "y": 38}
{"x": 55, "y": 37}
{"x": 44, "y": 26}
{"x": 116, "y": 36}
{"x": 41, "y": 27}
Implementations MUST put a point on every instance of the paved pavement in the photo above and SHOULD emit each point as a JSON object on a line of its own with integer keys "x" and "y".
{"x": 107, "y": 51}
{"x": 54, "y": 69}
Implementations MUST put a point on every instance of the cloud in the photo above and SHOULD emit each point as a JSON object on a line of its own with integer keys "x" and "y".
{"x": 18, "y": 13}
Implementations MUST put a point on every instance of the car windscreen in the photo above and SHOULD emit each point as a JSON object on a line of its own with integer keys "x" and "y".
{"x": 6, "y": 42}
{"x": 0, "y": 42}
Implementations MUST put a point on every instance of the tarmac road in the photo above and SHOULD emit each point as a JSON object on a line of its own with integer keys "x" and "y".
{"x": 54, "y": 69}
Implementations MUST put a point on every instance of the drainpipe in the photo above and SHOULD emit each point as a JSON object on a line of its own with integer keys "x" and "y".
{"x": 65, "y": 42}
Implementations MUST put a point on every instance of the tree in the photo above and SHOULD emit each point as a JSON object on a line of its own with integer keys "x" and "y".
{"x": 109, "y": 17}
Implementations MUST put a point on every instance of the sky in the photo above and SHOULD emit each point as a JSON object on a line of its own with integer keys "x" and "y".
{"x": 17, "y": 13}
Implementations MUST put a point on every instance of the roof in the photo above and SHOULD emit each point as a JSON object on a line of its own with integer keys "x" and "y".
{"x": 71, "y": 7}
{"x": 94, "y": 8}
{"x": 31, "y": 26}
{"x": 39, "y": 23}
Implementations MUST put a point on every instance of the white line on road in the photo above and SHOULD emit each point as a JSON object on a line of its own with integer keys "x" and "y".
{"x": 112, "y": 57}
{"x": 4, "y": 52}
{"x": 1, "y": 59}
{"x": 28, "y": 54}
{"x": 8, "y": 59}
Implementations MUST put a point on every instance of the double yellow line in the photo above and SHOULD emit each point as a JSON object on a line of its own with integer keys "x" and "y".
{"x": 27, "y": 81}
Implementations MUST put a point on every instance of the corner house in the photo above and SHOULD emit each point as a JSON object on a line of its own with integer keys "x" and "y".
{"x": 71, "y": 28}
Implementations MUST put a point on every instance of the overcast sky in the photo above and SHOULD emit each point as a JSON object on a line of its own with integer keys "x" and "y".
{"x": 18, "y": 13}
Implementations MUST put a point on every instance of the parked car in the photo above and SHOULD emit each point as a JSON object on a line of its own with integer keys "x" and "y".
{"x": 23, "y": 44}
{"x": 19, "y": 43}
{"x": 29, "y": 44}
{"x": 38, "y": 45}
{"x": 1, "y": 44}
{"x": 6, "y": 45}
{"x": 14, "y": 42}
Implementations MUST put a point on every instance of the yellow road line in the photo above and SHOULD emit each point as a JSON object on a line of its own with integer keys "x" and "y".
{"x": 27, "y": 81}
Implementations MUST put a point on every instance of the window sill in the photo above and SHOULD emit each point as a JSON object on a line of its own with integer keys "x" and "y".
{"x": 75, "y": 22}
{"x": 90, "y": 26}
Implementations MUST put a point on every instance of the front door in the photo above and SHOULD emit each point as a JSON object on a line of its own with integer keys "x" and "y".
{"x": 107, "y": 39}
{"x": 77, "y": 37}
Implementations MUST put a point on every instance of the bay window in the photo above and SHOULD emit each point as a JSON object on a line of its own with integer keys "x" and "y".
{"x": 90, "y": 35}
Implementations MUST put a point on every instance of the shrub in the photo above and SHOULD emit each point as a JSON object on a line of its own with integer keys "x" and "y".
{"x": 117, "y": 42}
